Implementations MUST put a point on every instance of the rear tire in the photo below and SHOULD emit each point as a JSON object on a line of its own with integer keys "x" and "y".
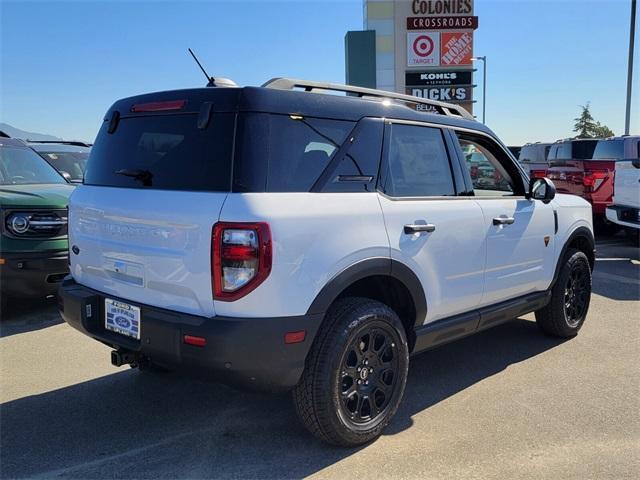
{"x": 564, "y": 315}
{"x": 355, "y": 374}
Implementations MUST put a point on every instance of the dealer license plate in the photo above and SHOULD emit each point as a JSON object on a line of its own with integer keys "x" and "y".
{"x": 122, "y": 318}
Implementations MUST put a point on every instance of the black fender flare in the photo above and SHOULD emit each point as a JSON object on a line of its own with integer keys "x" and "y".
{"x": 368, "y": 268}
{"x": 585, "y": 233}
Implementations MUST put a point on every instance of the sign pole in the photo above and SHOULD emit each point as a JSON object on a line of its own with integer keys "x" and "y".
{"x": 484, "y": 85}
{"x": 632, "y": 33}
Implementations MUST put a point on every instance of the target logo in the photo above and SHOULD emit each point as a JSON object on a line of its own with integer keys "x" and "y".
{"x": 423, "y": 49}
{"x": 423, "y": 46}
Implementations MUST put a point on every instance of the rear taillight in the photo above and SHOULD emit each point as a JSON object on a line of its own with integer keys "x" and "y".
{"x": 538, "y": 173}
{"x": 593, "y": 178}
{"x": 240, "y": 258}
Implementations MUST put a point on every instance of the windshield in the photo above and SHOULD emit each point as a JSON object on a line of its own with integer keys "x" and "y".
{"x": 23, "y": 166}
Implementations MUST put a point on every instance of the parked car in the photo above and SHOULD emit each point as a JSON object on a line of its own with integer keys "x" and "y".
{"x": 533, "y": 158}
{"x": 515, "y": 151}
{"x": 625, "y": 210}
{"x": 586, "y": 168}
{"x": 69, "y": 158}
{"x": 283, "y": 239}
{"x": 33, "y": 231}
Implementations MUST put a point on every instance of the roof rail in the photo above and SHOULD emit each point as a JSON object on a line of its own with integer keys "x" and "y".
{"x": 64, "y": 142}
{"x": 291, "y": 83}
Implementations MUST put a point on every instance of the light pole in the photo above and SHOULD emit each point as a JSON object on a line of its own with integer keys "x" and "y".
{"x": 632, "y": 32}
{"x": 484, "y": 85}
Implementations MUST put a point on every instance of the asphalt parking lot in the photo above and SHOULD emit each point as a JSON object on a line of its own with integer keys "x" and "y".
{"x": 507, "y": 403}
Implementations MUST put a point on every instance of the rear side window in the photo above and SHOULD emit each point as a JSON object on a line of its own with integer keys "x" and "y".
{"x": 284, "y": 153}
{"x": 417, "y": 163}
{"x": 167, "y": 152}
{"x": 609, "y": 150}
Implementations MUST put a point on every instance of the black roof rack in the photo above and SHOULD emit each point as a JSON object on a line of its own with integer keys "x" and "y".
{"x": 290, "y": 84}
{"x": 64, "y": 142}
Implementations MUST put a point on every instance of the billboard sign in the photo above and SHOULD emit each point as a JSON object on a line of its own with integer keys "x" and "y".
{"x": 442, "y": 23}
{"x": 443, "y": 94}
{"x": 423, "y": 49}
{"x": 439, "y": 78}
{"x": 456, "y": 48}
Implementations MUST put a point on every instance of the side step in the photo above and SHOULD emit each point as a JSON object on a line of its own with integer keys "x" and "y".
{"x": 459, "y": 326}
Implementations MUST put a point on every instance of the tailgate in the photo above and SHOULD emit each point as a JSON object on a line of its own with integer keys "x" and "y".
{"x": 567, "y": 176}
{"x": 152, "y": 248}
{"x": 627, "y": 183}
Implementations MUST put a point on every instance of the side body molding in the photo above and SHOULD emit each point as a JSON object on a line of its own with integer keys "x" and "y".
{"x": 369, "y": 268}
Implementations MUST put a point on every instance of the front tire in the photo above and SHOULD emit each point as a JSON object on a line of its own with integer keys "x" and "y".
{"x": 570, "y": 297}
{"x": 355, "y": 374}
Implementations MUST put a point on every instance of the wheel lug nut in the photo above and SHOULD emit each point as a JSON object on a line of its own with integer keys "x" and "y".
{"x": 366, "y": 382}
{"x": 359, "y": 368}
{"x": 371, "y": 370}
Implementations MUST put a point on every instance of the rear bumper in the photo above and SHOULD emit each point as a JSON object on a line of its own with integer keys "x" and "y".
{"x": 248, "y": 352}
{"x": 623, "y": 215}
{"x": 33, "y": 274}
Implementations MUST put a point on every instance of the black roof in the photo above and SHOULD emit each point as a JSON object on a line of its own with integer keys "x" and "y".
{"x": 271, "y": 100}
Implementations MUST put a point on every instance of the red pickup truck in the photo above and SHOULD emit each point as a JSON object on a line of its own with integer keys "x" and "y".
{"x": 585, "y": 167}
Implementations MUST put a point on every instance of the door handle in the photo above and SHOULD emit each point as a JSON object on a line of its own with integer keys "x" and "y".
{"x": 428, "y": 227}
{"x": 503, "y": 220}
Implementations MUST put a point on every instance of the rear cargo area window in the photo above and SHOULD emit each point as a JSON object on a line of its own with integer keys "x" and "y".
{"x": 167, "y": 152}
{"x": 284, "y": 153}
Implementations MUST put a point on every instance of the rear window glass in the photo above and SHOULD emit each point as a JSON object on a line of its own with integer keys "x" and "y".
{"x": 574, "y": 150}
{"x": 609, "y": 150}
{"x": 284, "y": 153}
{"x": 528, "y": 154}
{"x": 167, "y": 152}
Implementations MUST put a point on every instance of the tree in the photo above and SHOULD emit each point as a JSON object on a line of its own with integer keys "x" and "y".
{"x": 586, "y": 127}
{"x": 602, "y": 131}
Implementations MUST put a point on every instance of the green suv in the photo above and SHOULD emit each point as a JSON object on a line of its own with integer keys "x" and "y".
{"x": 33, "y": 229}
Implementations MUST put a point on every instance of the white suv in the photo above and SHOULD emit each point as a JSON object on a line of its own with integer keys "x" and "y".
{"x": 283, "y": 238}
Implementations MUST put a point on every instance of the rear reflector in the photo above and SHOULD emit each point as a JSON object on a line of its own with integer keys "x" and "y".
{"x": 295, "y": 337}
{"x": 159, "y": 106}
{"x": 195, "y": 341}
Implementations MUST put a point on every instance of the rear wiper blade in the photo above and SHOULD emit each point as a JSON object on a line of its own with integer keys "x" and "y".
{"x": 145, "y": 176}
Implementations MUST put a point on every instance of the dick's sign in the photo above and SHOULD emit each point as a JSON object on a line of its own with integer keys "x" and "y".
{"x": 444, "y": 94}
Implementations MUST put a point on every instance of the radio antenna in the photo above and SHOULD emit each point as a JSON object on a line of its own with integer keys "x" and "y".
{"x": 210, "y": 80}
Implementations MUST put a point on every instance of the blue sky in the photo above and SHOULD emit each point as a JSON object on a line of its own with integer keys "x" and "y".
{"x": 64, "y": 63}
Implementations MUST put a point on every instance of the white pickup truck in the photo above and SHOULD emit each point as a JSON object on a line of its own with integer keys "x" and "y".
{"x": 625, "y": 210}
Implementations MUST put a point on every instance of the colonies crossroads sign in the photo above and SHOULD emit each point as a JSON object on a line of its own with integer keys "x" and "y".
{"x": 439, "y": 36}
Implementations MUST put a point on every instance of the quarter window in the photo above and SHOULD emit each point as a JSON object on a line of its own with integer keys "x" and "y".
{"x": 417, "y": 163}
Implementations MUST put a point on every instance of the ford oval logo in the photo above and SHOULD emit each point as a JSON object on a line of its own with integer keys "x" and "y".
{"x": 122, "y": 322}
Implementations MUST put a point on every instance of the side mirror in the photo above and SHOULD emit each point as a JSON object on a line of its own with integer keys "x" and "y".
{"x": 541, "y": 189}
{"x": 66, "y": 176}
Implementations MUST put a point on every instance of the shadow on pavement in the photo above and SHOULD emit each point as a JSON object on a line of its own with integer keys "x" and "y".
{"x": 617, "y": 272}
{"x": 22, "y": 316}
{"x": 147, "y": 425}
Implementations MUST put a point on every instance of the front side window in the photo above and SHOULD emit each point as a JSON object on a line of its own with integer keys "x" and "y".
{"x": 417, "y": 163}
{"x": 489, "y": 178}
{"x": 23, "y": 166}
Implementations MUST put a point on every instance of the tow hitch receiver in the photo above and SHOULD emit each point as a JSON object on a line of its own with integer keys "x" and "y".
{"x": 123, "y": 357}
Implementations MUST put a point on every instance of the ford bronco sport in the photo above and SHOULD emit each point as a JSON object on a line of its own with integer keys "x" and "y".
{"x": 285, "y": 238}
{"x": 33, "y": 223}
